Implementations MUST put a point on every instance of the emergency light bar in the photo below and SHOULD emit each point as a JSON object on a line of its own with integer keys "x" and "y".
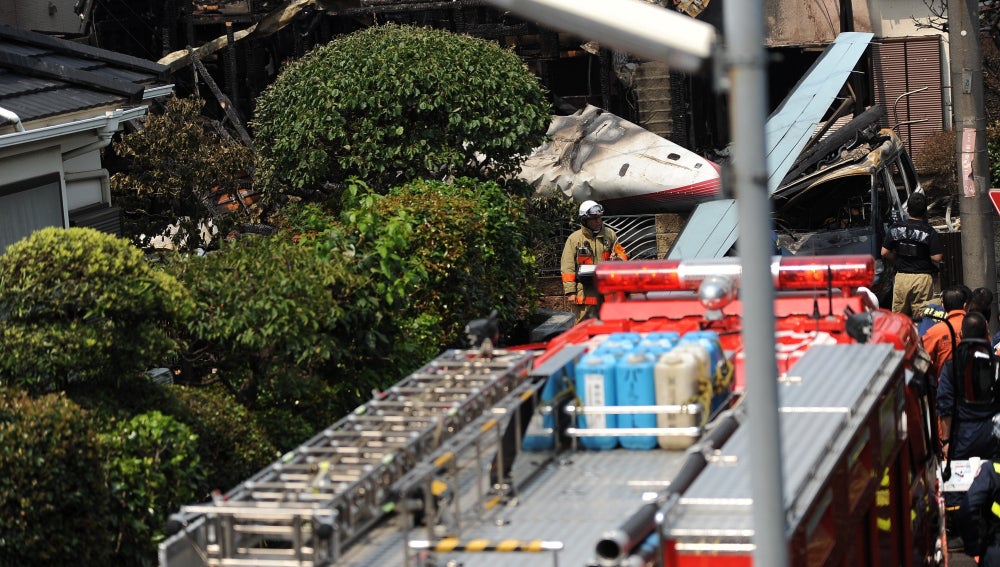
{"x": 788, "y": 272}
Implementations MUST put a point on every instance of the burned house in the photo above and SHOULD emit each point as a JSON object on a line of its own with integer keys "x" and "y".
{"x": 242, "y": 44}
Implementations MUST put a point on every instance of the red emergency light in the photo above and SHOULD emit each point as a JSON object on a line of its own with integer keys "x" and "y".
{"x": 789, "y": 272}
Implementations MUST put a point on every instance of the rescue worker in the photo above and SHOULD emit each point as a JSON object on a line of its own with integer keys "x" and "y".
{"x": 957, "y": 401}
{"x": 915, "y": 247}
{"x": 939, "y": 338}
{"x": 592, "y": 244}
{"x": 981, "y": 528}
{"x": 981, "y": 300}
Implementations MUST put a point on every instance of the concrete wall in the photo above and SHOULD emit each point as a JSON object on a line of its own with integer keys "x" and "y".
{"x": 900, "y": 18}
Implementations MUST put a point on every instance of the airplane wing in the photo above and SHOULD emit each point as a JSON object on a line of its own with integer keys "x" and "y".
{"x": 787, "y": 131}
{"x": 790, "y": 126}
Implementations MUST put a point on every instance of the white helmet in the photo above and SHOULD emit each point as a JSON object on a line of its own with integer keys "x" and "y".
{"x": 590, "y": 209}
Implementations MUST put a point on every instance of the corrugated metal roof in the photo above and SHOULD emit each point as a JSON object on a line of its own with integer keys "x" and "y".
{"x": 43, "y": 77}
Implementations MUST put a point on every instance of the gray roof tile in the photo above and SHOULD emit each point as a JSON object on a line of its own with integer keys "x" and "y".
{"x": 42, "y": 76}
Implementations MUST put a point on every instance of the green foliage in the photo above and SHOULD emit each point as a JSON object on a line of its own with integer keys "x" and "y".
{"x": 392, "y": 103}
{"x": 269, "y": 310}
{"x": 81, "y": 305}
{"x": 548, "y": 215}
{"x": 153, "y": 467}
{"x": 463, "y": 245}
{"x": 381, "y": 348}
{"x": 993, "y": 149}
{"x": 293, "y": 410}
{"x": 231, "y": 444}
{"x": 435, "y": 255}
{"x": 178, "y": 167}
{"x": 53, "y": 497}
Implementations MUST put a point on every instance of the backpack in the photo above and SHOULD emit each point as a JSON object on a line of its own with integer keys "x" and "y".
{"x": 977, "y": 372}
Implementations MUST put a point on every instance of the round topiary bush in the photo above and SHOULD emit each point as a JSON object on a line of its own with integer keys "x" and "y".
{"x": 153, "y": 469}
{"x": 79, "y": 305}
{"x": 393, "y": 103}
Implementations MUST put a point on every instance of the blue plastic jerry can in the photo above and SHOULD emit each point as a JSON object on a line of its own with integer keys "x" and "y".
{"x": 595, "y": 386}
{"x": 619, "y": 344}
{"x": 635, "y": 386}
{"x": 659, "y": 342}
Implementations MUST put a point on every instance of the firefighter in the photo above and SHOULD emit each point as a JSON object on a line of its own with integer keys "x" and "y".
{"x": 939, "y": 337}
{"x": 966, "y": 405}
{"x": 915, "y": 247}
{"x": 592, "y": 244}
{"x": 981, "y": 534}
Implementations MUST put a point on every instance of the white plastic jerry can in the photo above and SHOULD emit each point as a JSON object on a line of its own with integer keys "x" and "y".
{"x": 678, "y": 375}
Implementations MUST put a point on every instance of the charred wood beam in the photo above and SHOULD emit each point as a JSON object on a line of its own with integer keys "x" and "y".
{"x": 224, "y": 102}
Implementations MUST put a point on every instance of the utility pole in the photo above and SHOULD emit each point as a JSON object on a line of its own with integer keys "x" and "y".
{"x": 746, "y": 64}
{"x": 978, "y": 249}
{"x": 647, "y": 30}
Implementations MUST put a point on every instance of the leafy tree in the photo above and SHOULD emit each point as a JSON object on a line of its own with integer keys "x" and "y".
{"x": 231, "y": 444}
{"x": 179, "y": 167}
{"x": 153, "y": 468}
{"x": 81, "y": 305}
{"x": 383, "y": 347}
{"x": 472, "y": 240}
{"x": 392, "y": 103}
{"x": 437, "y": 255}
{"x": 54, "y": 500}
{"x": 269, "y": 310}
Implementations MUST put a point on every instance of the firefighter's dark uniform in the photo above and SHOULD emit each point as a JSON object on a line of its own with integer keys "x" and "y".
{"x": 983, "y": 503}
{"x": 974, "y": 435}
{"x": 916, "y": 245}
{"x": 586, "y": 247}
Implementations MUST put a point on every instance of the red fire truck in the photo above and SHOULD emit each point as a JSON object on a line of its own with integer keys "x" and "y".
{"x": 620, "y": 442}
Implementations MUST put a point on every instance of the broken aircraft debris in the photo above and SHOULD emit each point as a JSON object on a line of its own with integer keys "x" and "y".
{"x": 594, "y": 154}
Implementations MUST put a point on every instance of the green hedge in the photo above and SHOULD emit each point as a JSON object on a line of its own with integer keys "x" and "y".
{"x": 55, "y": 504}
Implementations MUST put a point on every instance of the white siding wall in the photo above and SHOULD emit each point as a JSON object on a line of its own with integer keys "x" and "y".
{"x": 899, "y": 18}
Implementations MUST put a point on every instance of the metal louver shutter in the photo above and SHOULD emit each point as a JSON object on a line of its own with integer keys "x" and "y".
{"x": 902, "y": 66}
{"x": 104, "y": 218}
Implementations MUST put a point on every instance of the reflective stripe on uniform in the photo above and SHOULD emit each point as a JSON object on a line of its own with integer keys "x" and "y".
{"x": 995, "y": 508}
{"x": 569, "y": 277}
{"x": 620, "y": 251}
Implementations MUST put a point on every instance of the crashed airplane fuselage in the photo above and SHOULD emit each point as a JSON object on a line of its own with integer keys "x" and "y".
{"x": 594, "y": 154}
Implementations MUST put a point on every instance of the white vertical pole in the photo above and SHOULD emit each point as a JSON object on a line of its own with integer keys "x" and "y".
{"x": 747, "y": 67}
